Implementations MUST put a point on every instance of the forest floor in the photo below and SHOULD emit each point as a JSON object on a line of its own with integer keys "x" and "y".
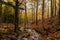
{"x": 50, "y": 30}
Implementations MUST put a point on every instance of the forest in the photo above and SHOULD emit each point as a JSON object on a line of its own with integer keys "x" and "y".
{"x": 29, "y": 19}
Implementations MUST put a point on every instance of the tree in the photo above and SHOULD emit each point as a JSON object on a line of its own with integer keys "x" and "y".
{"x": 37, "y": 11}
{"x": 59, "y": 13}
{"x": 55, "y": 7}
{"x": 51, "y": 8}
{"x": 48, "y": 10}
{"x": 16, "y": 15}
{"x": 0, "y": 11}
{"x": 26, "y": 20}
{"x": 43, "y": 14}
{"x": 16, "y": 7}
{"x": 0, "y": 8}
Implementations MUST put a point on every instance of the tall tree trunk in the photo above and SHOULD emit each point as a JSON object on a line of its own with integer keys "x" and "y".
{"x": 43, "y": 14}
{"x": 51, "y": 8}
{"x": 0, "y": 8}
{"x": 59, "y": 13}
{"x": 59, "y": 7}
{"x": 48, "y": 11}
{"x": 16, "y": 15}
{"x": 26, "y": 21}
{"x": 55, "y": 7}
{"x": 36, "y": 12}
{"x": 0, "y": 11}
{"x": 32, "y": 12}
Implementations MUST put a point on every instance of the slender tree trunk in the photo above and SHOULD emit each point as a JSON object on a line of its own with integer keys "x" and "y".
{"x": 0, "y": 8}
{"x": 0, "y": 11}
{"x": 36, "y": 12}
{"x": 48, "y": 11}
{"x": 55, "y": 7}
{"x": 59, "y": 13}
{"x": 59, "y": 8}
{"x": 26, "y": 21}
{"x": 51, "y": 8}
{"x": 16, "y": 16}
{"x": 43, "y": 14}
{"x": 32, "y": 12}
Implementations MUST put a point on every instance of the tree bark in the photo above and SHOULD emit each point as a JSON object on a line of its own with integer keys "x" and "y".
{"x": 16, "y": 16}
{"x": 26, "y": 20}
{"x": 43, "y": 14}
{"x": 32, "y": 13}
{"x": 0, "y": 12}
{"x": 55, "y": 7}
{"x": 36, "y": 12}
{"x": 0, "y": 8}
{"x": 48, "y": 11}
{"x": 51, "y": 8}
{"x": 59, "y": 13}
{"x": 59, "y": 10}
